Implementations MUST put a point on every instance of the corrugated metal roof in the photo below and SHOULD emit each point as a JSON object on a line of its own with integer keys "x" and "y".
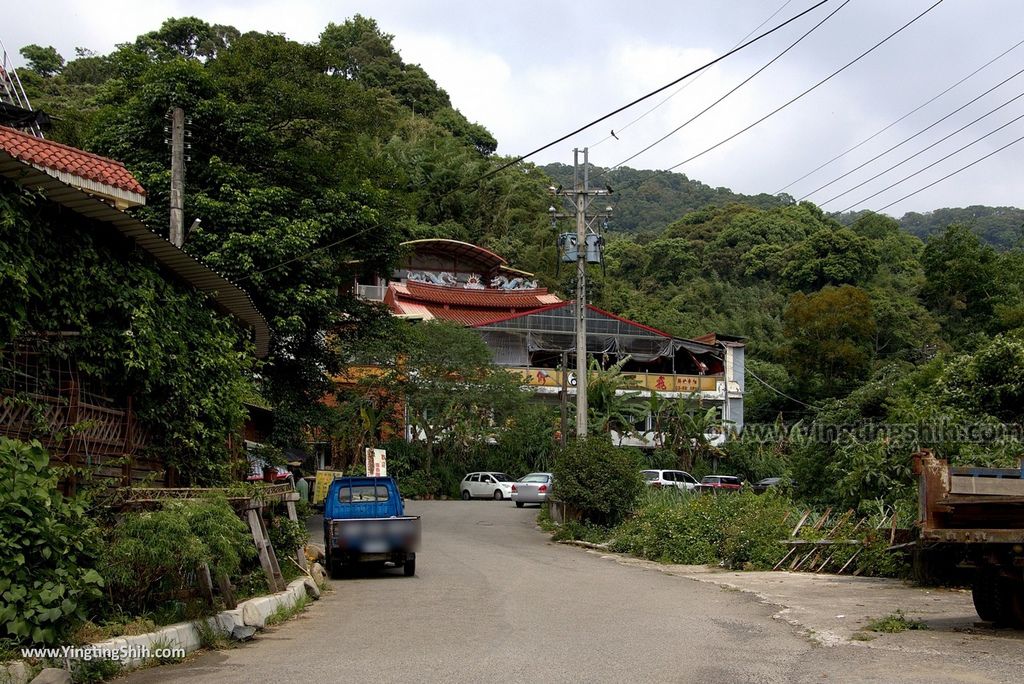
{"x": 227, "y": 296}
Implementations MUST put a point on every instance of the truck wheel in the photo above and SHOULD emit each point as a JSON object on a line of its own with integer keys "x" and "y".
{"x": 497, "y": 495}
{"x": 409, "y": 568}
{"x": 334, "y": 569}
{"x": 465, "y": 495}
{"x": 519, "y": 504}
{"x": 988, "y": 595}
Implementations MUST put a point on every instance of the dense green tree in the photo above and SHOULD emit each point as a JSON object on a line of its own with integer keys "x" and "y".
{"x": 828, "y": 338}
{"x": 45, "y": 61}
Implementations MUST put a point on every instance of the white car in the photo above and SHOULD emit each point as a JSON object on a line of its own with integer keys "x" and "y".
{"x": 680, "y": 479}
{"x": 495, "y": 486}
{"x": 533, "y": 488}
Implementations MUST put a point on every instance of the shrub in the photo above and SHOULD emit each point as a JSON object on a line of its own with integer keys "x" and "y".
{"x": 602, "y": 481}
{"x": 740, "y": 530}
{"x": 153, "y": 554}
{"x": 47, "y": 543}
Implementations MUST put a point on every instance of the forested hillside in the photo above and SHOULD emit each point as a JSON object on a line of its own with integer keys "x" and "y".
{"x": 342, "y": 148}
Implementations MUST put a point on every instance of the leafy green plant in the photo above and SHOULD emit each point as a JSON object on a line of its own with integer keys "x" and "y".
{"x": 285, "y": 612}
{"x": 150, "y": 555}
{"x": 895, "y": 623}
{"x": 47, "y": 547}
{"x": 600, "y": 480}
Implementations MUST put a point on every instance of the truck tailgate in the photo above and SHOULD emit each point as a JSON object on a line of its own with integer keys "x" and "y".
{"x": 375, "y": 535}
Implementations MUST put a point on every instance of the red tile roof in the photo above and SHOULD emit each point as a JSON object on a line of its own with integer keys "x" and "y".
{"x": 500, "y": 299}
{"x": 466, "y": 307}
{"x": 64, "y": 158}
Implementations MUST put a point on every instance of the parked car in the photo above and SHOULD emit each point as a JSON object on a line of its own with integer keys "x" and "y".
{"x": 680, "y": 479}
{"x": 365, "y": 522}
{"x": 495, "y": 486}
{"x": 532, "y": 488}
{"x": 720, "y": 483}
{"x": 762, "y": 486}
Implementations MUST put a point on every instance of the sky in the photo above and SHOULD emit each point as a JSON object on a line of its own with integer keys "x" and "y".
{"x": 533, "y": 71}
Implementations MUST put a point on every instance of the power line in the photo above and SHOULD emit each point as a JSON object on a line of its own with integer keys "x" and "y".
{"x": 778, "y": 391}
{"x": 638, "y": 100}
{"x": 307, "y": 254}
{"x": 923, "y": 150}
{"x": 813, "y": 87}
{"x": 950, "y": 175}
{"x": 690, "y": 83}
{"x": 939, "y": 161}
{"x": 906, "y": 140}
{"x": 568, "y": 135}
{"x": 742, "y": 83}
{"x": 911, "y": 112}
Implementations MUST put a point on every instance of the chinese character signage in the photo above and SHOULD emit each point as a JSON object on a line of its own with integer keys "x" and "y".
{"x": 376, "y": 463}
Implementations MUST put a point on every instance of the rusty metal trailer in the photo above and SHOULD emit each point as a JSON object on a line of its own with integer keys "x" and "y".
{"x": 975, "y": 518}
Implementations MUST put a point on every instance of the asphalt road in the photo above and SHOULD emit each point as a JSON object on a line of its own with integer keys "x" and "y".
{"x": 493, "y": 599}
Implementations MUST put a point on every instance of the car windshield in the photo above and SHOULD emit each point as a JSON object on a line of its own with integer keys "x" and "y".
{"x": 535, "y": 477}
{"x": 501, "y": 477}
{"x": 650, "y": 475}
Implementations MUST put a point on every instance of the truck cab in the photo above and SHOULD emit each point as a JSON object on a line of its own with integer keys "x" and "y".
{"x": 365, "y": 523}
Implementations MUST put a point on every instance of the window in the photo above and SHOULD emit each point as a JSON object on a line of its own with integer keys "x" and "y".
{"x": 501, "y": 477}
{"x": 536, "y": 477}
{"x": 669, "y": 476}
{"x": 687, "y": 477}
{"x": 650, "y": 475}
{"x": 362, "y": 494}
{"x": 475, "y": 477}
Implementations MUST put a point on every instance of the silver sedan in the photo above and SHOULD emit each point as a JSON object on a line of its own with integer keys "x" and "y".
{"x": 533, "y": 488}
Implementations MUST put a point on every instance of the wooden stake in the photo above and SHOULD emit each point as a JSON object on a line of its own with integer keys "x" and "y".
{"x": 293, "y": 516}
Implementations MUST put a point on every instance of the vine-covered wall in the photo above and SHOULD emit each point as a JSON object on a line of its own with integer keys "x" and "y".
{"x": 134, "y": 330}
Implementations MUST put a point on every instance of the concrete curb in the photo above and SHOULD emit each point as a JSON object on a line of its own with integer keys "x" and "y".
{"x": 253, "y": 613}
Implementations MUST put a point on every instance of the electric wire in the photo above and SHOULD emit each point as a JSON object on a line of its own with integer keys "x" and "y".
{"x": 307, "y": 254}
{"x": 911, "y": 112}
{"x": 939, "y": 161}
{"x": 523, "y": 157}
{"x": 778, "y": 391}
{"x": 908, "y": 139}
{"x": 809, "y": 90}
{"x": 950, "y": 175}
{"x": 742, "y": 83}
{"x": 694, "y": 80}
{"x": 638, "y": 100}
{"x": 922, "y": 150}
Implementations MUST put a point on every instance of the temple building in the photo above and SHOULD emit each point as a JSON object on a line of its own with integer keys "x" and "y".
{"x": 531, "y": 331}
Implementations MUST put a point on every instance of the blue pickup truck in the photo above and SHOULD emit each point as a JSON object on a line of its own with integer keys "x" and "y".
{"x": 365, "y": 522}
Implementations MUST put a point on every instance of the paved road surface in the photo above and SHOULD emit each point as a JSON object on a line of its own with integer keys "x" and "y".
{"x": 494, "y": 600}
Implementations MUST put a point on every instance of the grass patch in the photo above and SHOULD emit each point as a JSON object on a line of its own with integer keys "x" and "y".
{"x": 581, "y": 531}
{"x": 285, "y": 612}
{"x": 863, "y": 636}
{"x": 210, "y": 638}
{"x": 93, "y": 671}
{"x": 895, "y": 623}
{"x": 164, "y": 646}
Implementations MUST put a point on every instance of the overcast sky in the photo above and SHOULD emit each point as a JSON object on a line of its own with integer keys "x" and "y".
{"x": 533, "y": 71}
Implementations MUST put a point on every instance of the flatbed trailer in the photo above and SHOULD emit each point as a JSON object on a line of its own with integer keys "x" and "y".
{"x": 975, "y": 517}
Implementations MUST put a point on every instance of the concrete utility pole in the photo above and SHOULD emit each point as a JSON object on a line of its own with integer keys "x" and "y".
{"x": 581, "y": 197}
{"x": 177, "y": 177}
{"x": 581, "y": 201}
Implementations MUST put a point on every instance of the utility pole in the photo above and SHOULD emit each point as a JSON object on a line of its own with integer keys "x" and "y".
{"x": 581, "y": 200}
{"x": 586, "y": 243}
{"x": 177, "y": 177}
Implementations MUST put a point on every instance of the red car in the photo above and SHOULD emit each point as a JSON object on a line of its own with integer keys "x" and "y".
{"x": 718, "y": 483}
